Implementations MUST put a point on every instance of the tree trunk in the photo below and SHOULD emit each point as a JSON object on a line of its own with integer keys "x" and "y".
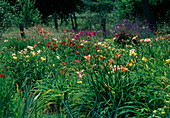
{"x": 22, "y": 30}
{"x": 103, "y": 24}
{"x": 148, "y": 15}
{"x": 72, "y": 21}
{"x": 61, "y": 19}
{"x": 55, "y": 21}
{"x": 75, "y": 22}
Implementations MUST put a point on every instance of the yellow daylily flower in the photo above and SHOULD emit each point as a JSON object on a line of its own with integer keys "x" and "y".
{"x": 144, "y": 59}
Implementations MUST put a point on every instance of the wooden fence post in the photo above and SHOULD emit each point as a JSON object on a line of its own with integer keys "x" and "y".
{"x": 21, "y": 27}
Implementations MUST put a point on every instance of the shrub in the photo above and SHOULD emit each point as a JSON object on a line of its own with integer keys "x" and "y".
{"x": 6, "y": 17}
{"x": 28, "y": 14}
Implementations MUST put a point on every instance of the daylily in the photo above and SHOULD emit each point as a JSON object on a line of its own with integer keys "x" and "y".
{"x": 5, "y": 41}
{"x": 110, "y": 61}
{"x": 72, "y": 44}
{"x": 144, "y": 59}
{"x": 147, "y": 40}
{"x": 167, "y": 61}
{"x": 58, "y": 57}
{"x": 14, "y": 57}
{"x": 30, "y": 47}
{"x": 38, "y": 52}
{"x": 54, "y": 39}
{"x": 118, "y": 55}
{"x": 79, "y": 82}
{"x": 33, "y": 53}
{"x": 97, "y": 48}
{"x": 77, "y": 51}
{"x": 77, "y": 61}
{"x": 43, "y": 59}
{"x": 21, "y": 52}
{"x": 87, "y": 57}
{"x": 123, "y": 68}
{"x": 63, "y": 42}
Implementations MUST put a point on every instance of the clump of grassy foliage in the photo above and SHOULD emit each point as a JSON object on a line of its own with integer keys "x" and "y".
{"x": 81, "y": 74}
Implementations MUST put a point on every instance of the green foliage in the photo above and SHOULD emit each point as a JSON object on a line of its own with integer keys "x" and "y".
{"x": 76, "y": 74}
{"x": 28, "y": 14}
{"x": 6, "y": 17}
{"x": 134, "y": 9}
{"x": 101, "y": 6}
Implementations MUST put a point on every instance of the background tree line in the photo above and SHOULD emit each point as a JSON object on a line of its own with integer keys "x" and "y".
{"x": 31, "y": 12}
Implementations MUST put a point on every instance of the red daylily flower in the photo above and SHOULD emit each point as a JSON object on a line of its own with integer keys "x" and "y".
{"x": 48, "y": 44}
{"x": 63, "y": 42}
{"x": 72, "y": 44}
{"x": 1, "y": 75}
{"x": 97, "y": 48}
{"x": 64, "y": 30}
{"x": 64, "y": 63}
{"x": 77, "y": 61}
{"x": 68, "y": 40}
{"x": 77, "y": 51}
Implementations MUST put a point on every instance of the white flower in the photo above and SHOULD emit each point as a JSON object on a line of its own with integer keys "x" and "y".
{"x": 13, "y": 54}
{"x": 33, "y": 53}
{"x": 30, "y": 47}
{"x": 38, "y": 52}
{"x": 5, "y": 41}
{"x": 58, "y": 57}
{"x": 147, "y": 40}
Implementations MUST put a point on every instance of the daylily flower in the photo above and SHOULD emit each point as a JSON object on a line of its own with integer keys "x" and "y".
{"x": 63, "y": 42}
{"x": 64, "y": 63}
{"x": 97, "y": 48}
{"x": 110, "y": 61}
{"x": 13, "y": 54}
{"x": 94, "y": 33}
{"x": 72, "y": 44}
{"x": 167, "y": 61}
{"x": 132, "y": 52}
{"x": 100, "y": 31}
{"x": 64, "y": 30}
{"x": 21, "y": 52}
{"x": 26, "y": 56}
{"x": 54, "y": 39}
{"x": 118, "y": 55}
{"x": 14, "y": 57}
{"x": 58, "y": 57}
{"x": 30, "y": 47}
{"x": 68, "y": 40}
{"x": 79, "y": 82}
{"x": 48, "y": 44}
{"x": 39, "y": 51}
{"x": 43, "y": 59}
{"x": 144, "y": 59}
{"x": 130, "y": 64}
{"x": 134, "y": 38}
{"x": 147, "y": 40}
{"x": 123, "y": 68}
{"x": 77, "y": 61}
{"x": 87, "y": 57}
{"x": 35, "y": 45}
{"x": 77, "y": 51}
{"x": 33, "y": 53}
{"x": 5, "y": 41}
{"x": 80, "y": 75}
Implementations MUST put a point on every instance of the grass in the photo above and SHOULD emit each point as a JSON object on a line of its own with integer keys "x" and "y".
{"x": 82, "y": 74}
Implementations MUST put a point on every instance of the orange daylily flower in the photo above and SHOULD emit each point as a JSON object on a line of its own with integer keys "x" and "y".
{"x": 118, "y": 55}
{"x": 110, "y": 60}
